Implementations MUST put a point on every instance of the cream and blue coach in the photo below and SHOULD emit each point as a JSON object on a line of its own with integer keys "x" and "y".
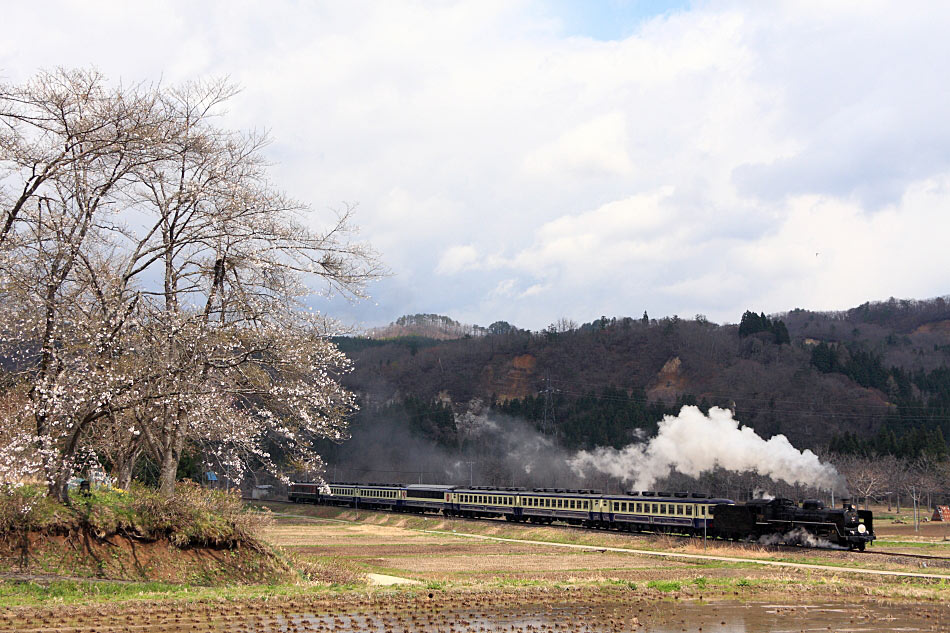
{"x": 680, "y": 512}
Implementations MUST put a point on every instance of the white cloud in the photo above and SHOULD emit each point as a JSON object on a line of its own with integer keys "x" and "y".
{"x": 595, "y": 147}
{"x": 456, "y": 259}
{"x": 506, "y": 171}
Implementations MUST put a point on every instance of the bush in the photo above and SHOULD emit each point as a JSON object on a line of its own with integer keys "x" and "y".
{"x": 192, "y": 517}
{"x": 27, "y": 508}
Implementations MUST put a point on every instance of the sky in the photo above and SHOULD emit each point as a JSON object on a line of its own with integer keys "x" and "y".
{"x": 528, "y": 161}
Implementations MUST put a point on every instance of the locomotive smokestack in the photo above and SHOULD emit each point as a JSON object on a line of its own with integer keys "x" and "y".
{"x": 692, "y": 443}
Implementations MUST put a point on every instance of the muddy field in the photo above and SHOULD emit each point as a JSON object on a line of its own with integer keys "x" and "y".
{"x": 435, "y": 550}
{"x": 448, "y": 576}
{"x": 526, "y": 611}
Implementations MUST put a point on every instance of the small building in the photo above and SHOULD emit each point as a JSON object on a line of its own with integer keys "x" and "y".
{"x": 265, "y": 491}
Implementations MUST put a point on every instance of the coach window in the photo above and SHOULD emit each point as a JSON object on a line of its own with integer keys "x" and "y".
{"x": 656, "y": 508}
{"x": 662, "y": 508}
{"x": 689, "y": 511}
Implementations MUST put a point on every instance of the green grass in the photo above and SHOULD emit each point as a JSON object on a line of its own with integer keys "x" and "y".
{"x": 666, "y": 586}
{"x": 66, "y": 592}
{"x": 917, "y": 544}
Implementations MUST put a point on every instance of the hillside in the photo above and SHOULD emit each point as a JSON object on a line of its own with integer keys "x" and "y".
{"x": 871, "y": 378}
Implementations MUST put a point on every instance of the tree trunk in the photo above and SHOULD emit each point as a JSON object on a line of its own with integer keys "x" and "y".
{"x": 168, "y": 468}
{"x": 59, "y": 485}
{"x": 123, "y": 474}
{"x": 167, "y": 471}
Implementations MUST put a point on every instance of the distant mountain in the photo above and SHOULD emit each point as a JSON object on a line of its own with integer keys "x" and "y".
{"x": 874, "y": 377}
{"x": 433, "y": 326}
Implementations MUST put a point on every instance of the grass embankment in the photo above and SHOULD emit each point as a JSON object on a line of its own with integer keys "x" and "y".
{"x": 196, "y": 537}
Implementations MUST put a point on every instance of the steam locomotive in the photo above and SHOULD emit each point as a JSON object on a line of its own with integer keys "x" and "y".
{"x": 778, "y": 520}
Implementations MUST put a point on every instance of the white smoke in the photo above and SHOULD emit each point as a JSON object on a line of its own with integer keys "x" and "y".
{"x": 798, "y": 536}
{"x": 692, "y": 443}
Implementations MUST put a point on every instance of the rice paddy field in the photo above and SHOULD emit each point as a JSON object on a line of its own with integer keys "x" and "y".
{"x": 375, "y": 571}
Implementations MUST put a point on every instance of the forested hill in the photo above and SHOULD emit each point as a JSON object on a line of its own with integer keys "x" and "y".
{"x": 875, "y": 378}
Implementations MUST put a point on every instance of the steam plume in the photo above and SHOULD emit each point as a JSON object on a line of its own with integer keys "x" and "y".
{"x": 692, "y": 443}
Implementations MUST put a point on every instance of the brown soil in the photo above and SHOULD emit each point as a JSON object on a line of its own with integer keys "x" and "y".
{"x": 670, "y": 382}
{"x": 931, "y": 530}
{"x": 514, "y": 380}
{"x": 119, "y": 557}
{"x": 567, "y": 610}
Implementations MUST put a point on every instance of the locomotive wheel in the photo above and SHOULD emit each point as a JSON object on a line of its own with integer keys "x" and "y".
{"x": 861, "y": 546}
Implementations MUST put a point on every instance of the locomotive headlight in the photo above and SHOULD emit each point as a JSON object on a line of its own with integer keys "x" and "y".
{"x": 861, "y": 528}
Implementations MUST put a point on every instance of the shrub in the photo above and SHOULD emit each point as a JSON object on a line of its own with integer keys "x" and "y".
{"x": 27, "y": 508}
{"x": 192, "y": 517}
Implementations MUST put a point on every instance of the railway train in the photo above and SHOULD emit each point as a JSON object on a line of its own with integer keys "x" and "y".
{"x": 692, "y": 514}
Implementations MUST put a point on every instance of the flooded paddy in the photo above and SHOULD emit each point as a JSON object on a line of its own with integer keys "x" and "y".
{"x": 478, "y": 613}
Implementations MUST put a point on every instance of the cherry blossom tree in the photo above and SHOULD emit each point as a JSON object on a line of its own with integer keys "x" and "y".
{"x": 157, "y": 280}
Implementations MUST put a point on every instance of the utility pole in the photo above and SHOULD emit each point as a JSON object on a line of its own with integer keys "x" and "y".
{"x": 471, "y": 481}
{"x": 549, "y": 420}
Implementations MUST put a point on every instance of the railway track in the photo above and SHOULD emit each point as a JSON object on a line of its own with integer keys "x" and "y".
{"x": 561, "y": 526}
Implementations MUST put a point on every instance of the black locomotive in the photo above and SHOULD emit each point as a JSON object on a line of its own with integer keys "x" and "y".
{"x": 845, "y": 526}
{"x": 775, "y": 520}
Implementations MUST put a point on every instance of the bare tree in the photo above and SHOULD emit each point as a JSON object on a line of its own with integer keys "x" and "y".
{"x": 220, "y": 351}
{"x": 866, "y": 476}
